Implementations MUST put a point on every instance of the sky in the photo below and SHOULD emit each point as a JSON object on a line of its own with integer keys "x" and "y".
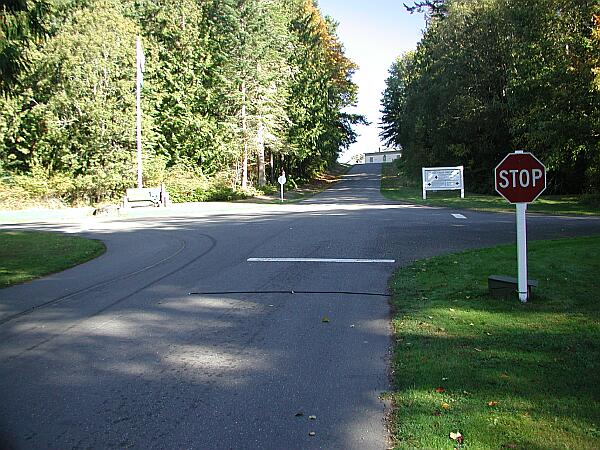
{"x": 374, "y": 33}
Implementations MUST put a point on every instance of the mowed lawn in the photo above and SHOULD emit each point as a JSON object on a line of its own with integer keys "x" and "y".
{"x": 26, "y": 255}
{"x": 396, "y": 185}
{"x": 501, "y": 373}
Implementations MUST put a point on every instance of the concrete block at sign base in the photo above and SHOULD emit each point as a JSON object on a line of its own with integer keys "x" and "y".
{"x": 503, "y": 287}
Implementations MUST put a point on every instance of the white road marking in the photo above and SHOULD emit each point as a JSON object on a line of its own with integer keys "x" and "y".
{"x": 458, "y": 216}
{"x": 324, "y": 260}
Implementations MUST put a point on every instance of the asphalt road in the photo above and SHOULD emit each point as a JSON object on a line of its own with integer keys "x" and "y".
{"x": 116, "y": 353}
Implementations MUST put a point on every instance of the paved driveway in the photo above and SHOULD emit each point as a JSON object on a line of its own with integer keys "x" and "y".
{"x": 186, "y": 333}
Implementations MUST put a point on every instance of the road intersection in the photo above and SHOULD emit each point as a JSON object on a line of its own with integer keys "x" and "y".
{"x": 227, "y": 325}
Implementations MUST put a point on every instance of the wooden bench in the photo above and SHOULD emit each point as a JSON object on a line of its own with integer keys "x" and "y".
{"x": 503, "y": 286}
{"x": 146, "y": 197}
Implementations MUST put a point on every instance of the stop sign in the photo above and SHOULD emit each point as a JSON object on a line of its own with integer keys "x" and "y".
{"x": 520, "y": 177}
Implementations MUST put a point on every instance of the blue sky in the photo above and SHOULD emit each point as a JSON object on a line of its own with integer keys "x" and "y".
{"x": 374, "y": 33}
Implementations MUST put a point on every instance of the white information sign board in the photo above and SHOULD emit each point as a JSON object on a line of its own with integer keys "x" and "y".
{"x": 443, "y": 179}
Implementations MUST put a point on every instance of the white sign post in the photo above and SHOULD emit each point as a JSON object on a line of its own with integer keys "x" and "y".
{"x": 520, "y": 178}
{"x": 281, "y": 180}
{"x": 522, "y": 252}
{"x": 443, "y": 179}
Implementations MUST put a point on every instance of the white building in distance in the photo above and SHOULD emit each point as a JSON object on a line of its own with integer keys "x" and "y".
{"x": 381, "y": 157}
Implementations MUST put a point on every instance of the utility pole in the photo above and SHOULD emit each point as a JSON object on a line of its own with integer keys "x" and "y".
{"x": 139, "y": 83}
{"x": 245, "y": 138}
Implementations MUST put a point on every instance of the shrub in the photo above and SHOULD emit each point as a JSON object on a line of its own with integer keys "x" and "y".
{"x": 189, "y": 185}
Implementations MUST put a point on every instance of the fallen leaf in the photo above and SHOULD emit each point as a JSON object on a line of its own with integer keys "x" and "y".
{"x": 312, "y": 433}
{"x": 444, "y": 379}
{"x": 437, "y": 413}
{"x": 429, "y": 317}
{"x": 492, "y": 403}
{"x": 478, "y": 349}
{"x": 299, "y": 414}
{"x": 312, "y": 417}
{"x": 472, "y": 324}
{"x": 504, "y": 375}
{"x": 452, "y": 309}
{"x": 440, "y": 389}
{"x": 489, "y": 334}
{"x": 455, "y": 436}
{"x": 458, "y": 438}
{"x": 325, "y": 319}
{"x": 445, "y": 405}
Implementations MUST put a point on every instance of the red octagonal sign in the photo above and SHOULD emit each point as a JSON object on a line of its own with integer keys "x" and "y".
{"x": 520, "y": 177}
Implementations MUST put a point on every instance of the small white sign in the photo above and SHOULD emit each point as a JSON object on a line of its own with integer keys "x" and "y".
{"x": 443, "y": 179}
{"x": 282, "y": 181}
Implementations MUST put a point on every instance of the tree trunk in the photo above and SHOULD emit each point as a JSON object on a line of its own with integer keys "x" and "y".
{"x": 272, "y": 168}
{"x": 261, "y": 155}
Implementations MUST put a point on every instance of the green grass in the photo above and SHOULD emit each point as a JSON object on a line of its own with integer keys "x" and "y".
{"x": 397, "y": 186}
{"x": 28, "y": 255}
{"x": 513, "y": 375}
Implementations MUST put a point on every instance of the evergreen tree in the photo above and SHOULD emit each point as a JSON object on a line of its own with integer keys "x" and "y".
{"x": 321, "y": 88}
{"x": 23, "y": 24}
{"x": 227, "y": 83}
{"x": 492, "y": 76}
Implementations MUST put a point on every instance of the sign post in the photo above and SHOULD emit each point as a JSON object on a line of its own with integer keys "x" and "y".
{"x": 520, "y": 178}
{"x": 281, "y": 180}
{"x": 522, "y": 251}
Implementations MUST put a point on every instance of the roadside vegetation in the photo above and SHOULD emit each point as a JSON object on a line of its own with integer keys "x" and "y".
{"x": 493, "y": 76}
{"x": 233, "y": 93}
{"x": 296, "y": 192}
{"x": 471, "y": 371}
{"x": 25, "y": 255}
{"x": 398, "y": 183}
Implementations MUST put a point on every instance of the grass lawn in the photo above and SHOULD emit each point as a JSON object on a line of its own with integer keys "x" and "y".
{"x": 397, "y": 186}
{"x": 28, "y": 255}
{"x": 502, "y": 373}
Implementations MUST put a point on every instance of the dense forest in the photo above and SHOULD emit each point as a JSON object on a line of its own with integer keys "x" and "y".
{"x": 493, "y": 76}
{"x": 234, "y": 91}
